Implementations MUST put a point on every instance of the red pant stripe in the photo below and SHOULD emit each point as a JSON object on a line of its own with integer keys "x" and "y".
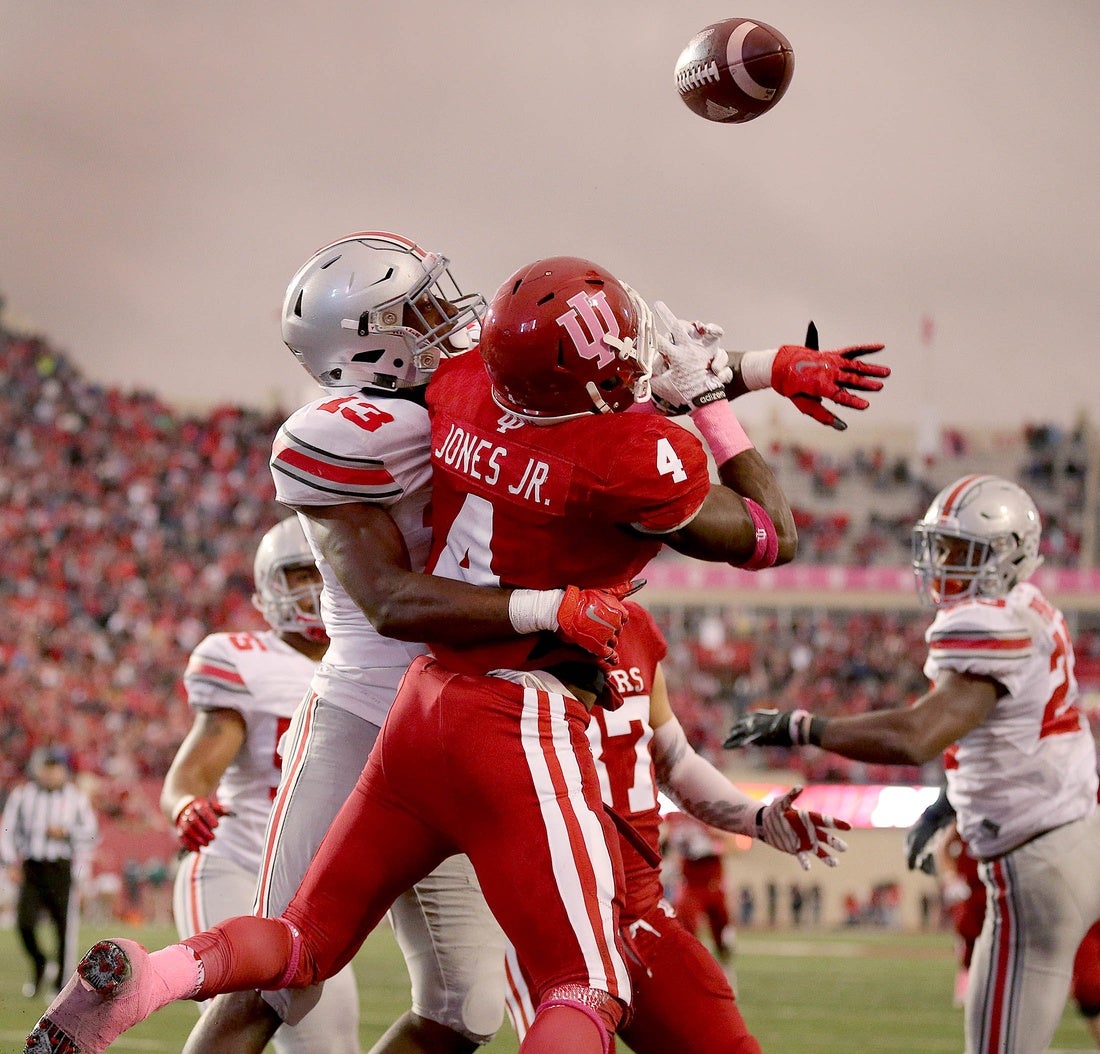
{"x": 997, "y": 1014}
{"x": 292, "y": 767}
{"x": 192, "y": 867}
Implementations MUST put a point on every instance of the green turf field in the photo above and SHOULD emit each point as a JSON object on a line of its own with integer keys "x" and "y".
{"x": 820, "y": 993}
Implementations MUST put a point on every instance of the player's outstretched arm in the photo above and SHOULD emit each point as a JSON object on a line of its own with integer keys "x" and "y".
{"x": 367, "y": 552}
{"x": 808, "y": 376}
{"x": 748, "y": 521}
{"x": 913, "y": 735}
{"x": 705, "y": 793}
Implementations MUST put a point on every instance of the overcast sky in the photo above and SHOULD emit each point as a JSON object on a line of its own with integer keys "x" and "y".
{"x": 167, "y": 166}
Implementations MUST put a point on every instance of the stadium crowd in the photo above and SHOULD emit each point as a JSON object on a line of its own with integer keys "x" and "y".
{"x": 128, "y": 531}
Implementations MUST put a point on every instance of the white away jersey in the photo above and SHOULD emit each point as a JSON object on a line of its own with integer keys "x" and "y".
{"x": 345, "y": 449}
{"x": 263, "y": 679}
{"x": 1031, "y": 765}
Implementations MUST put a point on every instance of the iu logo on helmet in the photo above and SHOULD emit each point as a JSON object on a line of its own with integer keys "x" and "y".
{"x": 586, "y": 307}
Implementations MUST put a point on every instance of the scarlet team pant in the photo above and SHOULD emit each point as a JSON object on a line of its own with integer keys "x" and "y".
{"x": 683, "y": 1001}
{"x": 703, "y": 895}
{"x": 1086, "y": 973}
{"x": 504, "y": 773}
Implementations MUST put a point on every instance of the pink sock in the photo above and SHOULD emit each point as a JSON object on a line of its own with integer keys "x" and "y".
{"x": 179, "y": 969}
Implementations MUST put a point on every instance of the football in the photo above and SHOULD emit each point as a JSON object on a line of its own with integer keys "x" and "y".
{"x": 735, "y": 70}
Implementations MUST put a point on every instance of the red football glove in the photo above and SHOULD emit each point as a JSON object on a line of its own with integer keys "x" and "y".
{"x": 806, "y": 376}
{"x": 800, "y": 832}
{"x": 196, "y": 821}
{"x": 593, "y": 618}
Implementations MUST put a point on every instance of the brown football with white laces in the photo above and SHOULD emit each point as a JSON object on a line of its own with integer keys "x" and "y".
{"x": 735, "y": 70}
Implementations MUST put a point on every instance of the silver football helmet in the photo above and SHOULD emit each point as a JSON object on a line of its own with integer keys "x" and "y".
{"x": 979, "y": 537}
{"x": 287, "y": 609}
{"x": 374, "y": 310}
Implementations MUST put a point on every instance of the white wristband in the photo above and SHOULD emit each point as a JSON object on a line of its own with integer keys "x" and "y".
{"x": 756, "y": 369}
{"x": 531, "y": 610}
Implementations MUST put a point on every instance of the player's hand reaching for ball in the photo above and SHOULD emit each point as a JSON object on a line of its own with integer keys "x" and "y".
{"x": 693, "y": 369}
{"x": 807, "y": 376}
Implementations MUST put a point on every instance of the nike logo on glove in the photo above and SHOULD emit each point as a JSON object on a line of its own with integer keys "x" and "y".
{"x": 591, "y": 613}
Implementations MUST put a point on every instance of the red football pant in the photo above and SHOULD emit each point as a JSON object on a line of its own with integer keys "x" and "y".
{"x": 703, "y": 895}
{"x": 683, "y": 1001}
{"x": 682, "y": 998}
{"x": 476, "y": 765}
{"x": 1086, "y": 973}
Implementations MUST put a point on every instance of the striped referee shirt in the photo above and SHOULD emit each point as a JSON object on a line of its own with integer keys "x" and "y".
{"x": 41, "y": 824}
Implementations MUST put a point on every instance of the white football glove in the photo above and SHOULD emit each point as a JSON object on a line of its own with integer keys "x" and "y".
{"x": 955, "y": 891}
{"x": 801, "y": 832}
{"x": 692, "y": 368}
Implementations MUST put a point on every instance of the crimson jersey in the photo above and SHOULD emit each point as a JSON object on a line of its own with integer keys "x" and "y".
{"x": 546, "y": 506}
{"x": 621, "y": 746}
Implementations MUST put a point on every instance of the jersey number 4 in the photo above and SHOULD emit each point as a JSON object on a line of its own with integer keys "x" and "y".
{"x": 668, "y": 464}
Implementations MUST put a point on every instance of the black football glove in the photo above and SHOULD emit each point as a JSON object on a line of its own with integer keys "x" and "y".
{"x": 770, "y": 728}
{"x": 933, "y": 820}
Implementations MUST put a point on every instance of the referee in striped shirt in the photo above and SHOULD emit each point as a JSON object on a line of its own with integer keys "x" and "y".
{"x": 48, "y": 828}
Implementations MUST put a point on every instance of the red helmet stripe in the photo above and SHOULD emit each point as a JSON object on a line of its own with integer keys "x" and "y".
{"x": 956, "y": 494}
{"x": 379, "y": 236}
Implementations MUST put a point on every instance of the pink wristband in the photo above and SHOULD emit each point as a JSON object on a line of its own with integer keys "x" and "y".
{"x": 767, "y": 539}
{"x": 719, "y": 426}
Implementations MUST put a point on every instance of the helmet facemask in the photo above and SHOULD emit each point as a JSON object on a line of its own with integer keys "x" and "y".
{"x": 291, "y": 609}
{"x": 374, "y": 310}
{"x": 288, "y": 607}
{"x": 642, "y": 350}
{"x": 434, "y": 318}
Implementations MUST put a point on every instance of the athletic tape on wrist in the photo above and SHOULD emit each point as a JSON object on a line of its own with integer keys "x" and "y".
{"x": 805, "y": 728}
{"x": 756, "y": 369}
{"x": 800, "y": 727}
{"x": 532, "y": 610}
{"x": 719, "y": 426}
{"x": 767, "y": 538}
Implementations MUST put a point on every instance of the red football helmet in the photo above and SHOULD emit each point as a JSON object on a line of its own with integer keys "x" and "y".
{"x": 563, "y": 338}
